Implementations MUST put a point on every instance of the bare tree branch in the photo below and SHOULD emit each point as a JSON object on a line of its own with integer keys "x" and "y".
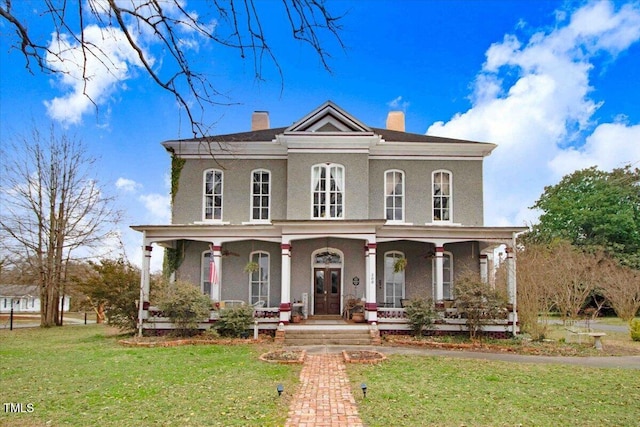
{"x": 234, "y": 24}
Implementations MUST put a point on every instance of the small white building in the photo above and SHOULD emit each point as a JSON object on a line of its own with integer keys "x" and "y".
{"x": 25, "y": 299}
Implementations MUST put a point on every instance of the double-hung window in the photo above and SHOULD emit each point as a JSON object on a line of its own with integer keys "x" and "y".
{"x": 212, "y": 197}
{"x": 260, "y": 195}
{"x": 327, "y": 186}
{"x": 393, "y": 279}
{"x": 394, "y": 195}
{"x": 259, "y": 278}
{"x": 442, "y": 196}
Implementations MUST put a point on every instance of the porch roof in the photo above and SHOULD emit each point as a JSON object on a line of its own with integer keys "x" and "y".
{"x": 284, "y": 231}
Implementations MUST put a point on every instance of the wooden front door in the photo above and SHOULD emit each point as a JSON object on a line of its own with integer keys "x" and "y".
{"x": 327, "y": 290}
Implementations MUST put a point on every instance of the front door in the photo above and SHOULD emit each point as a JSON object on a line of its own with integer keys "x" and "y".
{"x": 327, "y": 291}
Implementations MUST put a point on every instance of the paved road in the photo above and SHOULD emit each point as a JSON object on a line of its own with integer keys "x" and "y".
{"x": 624, "y": 362}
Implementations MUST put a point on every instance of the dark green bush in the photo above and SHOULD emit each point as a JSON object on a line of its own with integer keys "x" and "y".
{"x": 234, "y": 322}
{"x": 420, "y": 313}
{"x": 185, "y": 305}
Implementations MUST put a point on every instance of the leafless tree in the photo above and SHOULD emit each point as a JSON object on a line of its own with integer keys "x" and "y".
{"x": 52, "y": 209}
{"x": 621, "y": 286}
{"x": 575, "y": 277}
{"x": 140, "y": 24}
{"x": 534, "y": 293}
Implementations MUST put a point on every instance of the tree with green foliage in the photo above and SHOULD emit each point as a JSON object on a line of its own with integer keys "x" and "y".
{"x": 114, "y": 286}
{"x": 593, "y": 210}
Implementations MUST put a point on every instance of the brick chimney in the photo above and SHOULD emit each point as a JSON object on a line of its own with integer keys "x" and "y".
{"x": 260, "y": 120}
{"x": 395, "y": 121}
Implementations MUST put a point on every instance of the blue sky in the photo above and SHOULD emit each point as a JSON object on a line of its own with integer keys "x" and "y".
{"x": 555, "y": 84}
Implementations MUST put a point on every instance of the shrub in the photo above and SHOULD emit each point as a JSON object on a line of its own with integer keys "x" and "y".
{"x": 479, "y": 302}
{"x": 634, "y": 329}
{"x": 420, "y": 314}
{"x": 185, "y": 305}
{"x": 234, "y": 322}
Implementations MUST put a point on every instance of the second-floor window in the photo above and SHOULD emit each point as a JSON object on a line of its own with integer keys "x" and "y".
{"x": 327, "y": 186}
{"x": 394, "y": 195}
{"x": 442, "y": 196}
{"x": 213, "y": 194}
{"x": 260, "y": 195}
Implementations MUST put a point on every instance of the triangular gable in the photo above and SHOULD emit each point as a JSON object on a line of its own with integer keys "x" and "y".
{"x": 328, "y": 118}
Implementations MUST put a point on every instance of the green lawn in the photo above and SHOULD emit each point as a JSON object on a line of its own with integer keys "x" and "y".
{"x": 77, "y": 376}
{"x": 80, "y": 376}
{"x": 417, "y": 391}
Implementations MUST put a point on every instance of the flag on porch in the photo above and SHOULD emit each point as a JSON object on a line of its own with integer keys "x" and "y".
{"x": 213, "y": 274}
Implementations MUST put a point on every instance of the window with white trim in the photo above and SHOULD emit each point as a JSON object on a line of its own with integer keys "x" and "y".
{"x": 394, "y": 195}
{"x": 447, "y": 275}
{"x": 260, "y": 195}
{"x": 393, "y": 280}
{"x": 205, "y": 276}
{"x": 212, "y": 197}
{"x": 327, "y": 186}
{"x": 442, "y": 195}
{"x": 259, "y": 278}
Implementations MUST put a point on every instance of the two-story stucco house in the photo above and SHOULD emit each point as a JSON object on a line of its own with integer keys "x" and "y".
{"x": 325, "y": 208}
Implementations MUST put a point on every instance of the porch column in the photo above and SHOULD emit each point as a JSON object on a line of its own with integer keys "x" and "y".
{"x": 216, "y": 274}
{"x": 439, "y": 291}
{"x": 143, "y": 305}
{"x": 484, "y": 268}
{"x": 511, "y": 276}
{"x": 371, "y": 307}
{"x": 285, "y": 291}
{"x": 511, "y": 287}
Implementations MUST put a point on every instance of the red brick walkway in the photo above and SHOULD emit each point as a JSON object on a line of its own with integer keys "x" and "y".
{"x": 324, "y": 398}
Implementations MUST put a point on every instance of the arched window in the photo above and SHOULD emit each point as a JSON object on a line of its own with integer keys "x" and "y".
{"x": 260, "y": 195}
{"x": 442, "y": 195}
{"x": 393, "y": 280}
{"x": 259, "y": 278}
{"x": 394, "y": 195}
{"x": 212, "y": 195}
{"x": 447, "y": 275}
{"x": 327, "y": 188}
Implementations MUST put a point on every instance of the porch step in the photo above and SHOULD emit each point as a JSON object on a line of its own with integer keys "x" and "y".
{"x": 327, "y": 336}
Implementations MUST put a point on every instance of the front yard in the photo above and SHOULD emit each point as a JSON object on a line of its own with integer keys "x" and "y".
{"x": 81, "y": 375}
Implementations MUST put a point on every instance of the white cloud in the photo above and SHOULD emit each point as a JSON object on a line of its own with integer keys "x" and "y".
{"x": 92, "y": 74}
{"x": 128, "y": 185}
{"x": 540, "y": 120}
{"x": 611, "y": 145}
{"x": 158, "y": 208}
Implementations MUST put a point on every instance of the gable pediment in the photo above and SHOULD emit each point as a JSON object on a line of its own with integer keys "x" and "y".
{"x": 328, "y": 118}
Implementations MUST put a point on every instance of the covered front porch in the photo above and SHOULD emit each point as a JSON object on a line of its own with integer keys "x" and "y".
{"x": 312, "y": 268}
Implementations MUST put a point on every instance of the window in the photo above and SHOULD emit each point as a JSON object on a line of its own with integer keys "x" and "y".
{"x": 213, "y": 195}
{"x": 393, "y": 281}
{"x": 447, "y": 275}
{"x": 205, "y": 278}
{"x": 442, "y": 195}
{"x": 328, "y": 191}
{"x": 259, "y": 279}
{"x": 394, "y": 195}
{"x": 260, "y": 195}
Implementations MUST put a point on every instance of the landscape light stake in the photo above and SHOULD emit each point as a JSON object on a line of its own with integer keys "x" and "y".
{"x": 280, "y": 389}
{"x": 363, "y": 386}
